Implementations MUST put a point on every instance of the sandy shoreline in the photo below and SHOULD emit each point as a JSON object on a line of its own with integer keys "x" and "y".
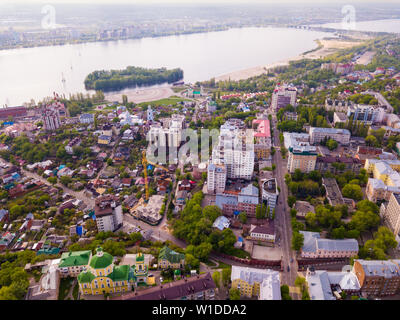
{"x": 328, "y": 47}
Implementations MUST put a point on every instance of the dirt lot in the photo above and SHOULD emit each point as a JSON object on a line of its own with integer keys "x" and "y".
{"x": 142, "y": 95}
{"x": 266, "y": 253}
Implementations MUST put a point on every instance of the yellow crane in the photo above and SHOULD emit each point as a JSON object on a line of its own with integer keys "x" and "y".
{"x": 146, "y": 184}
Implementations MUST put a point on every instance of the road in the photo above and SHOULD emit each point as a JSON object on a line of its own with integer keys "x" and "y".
{"x": 282, "y": 218}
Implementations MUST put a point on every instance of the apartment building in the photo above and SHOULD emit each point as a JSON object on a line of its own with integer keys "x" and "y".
{"x": 316, "y": 247}
{"x": 338, "y": 68}
{"x": 302, "y": 155}
{"x": 337, "y": 105}
{"x": 216, "y": 178}
{"x": 342, "y": 136}
{"x": 235, "y": 149}
{"x": 391, "y": 213}
{"x": 270, "y": 288}
{"x": 86, "y": 118}
{"x": 339, "y": 117}
{"x": 270, "y": 192}
{"x": 198, "y": 287}
{"x": 108, "y": 213}
{"x": 232, "y": 202}
{"x": 249, "y": 280}
{"x": 378, "y": 277}
{"x": 303, "y": 158}
{"x": 338, "y": 164}
{"x": 282, "y": 96}
{"x": 51, "y": 118}
{"x": 365, "y": 113}
{"x": 385, "y": 181}
{"x": 262, "y": 136}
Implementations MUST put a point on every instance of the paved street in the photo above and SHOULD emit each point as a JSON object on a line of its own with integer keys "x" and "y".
{"x": 283, "y": 219}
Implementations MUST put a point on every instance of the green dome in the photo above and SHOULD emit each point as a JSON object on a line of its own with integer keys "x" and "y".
{"x": 101, "y": 260}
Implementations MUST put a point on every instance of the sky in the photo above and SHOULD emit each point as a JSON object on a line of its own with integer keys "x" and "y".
{"x": 194, "y": 1}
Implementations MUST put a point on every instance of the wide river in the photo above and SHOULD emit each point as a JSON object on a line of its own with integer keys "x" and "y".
{"x": 34, "y": 73}
{"x": 388, "y": 25}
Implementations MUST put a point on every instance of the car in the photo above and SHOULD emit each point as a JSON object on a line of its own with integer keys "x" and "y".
{"x": 288, "y": 268}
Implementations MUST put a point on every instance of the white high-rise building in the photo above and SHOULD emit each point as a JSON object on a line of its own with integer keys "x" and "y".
{"x": 108, "y": 213}
{"x": 282, "y": 96}
{"x": 51, "y": 118}
{"x": 150, "y": 116}
{"x": 235, "y": 149}
{"x": 216, "y": 178}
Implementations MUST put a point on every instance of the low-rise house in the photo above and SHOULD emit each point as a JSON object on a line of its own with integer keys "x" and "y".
{"x": 265, "y": 232}
{"x": 6, "y": 239}
{"x": 73, "y": 263}
{"x": 327, "y": 285}
{"x": 221, "y": 223}
{"x": 75, "y": 142}
{"x": 315, "y": 247}
{"x": 104, "y": 139}
{"x": 168, "y": 258}
{"x": 86, "y": 118}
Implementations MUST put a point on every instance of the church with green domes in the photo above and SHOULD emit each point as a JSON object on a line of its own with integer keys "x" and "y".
{"x": 102, "y": 276}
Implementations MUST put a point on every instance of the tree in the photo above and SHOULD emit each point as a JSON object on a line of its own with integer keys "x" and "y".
{"x": 291, "y": 201}
{"x": 285, "y": 292}
{"x": 226, "y": 276}
{"x": 65, "y": 180}
{"x": 234, "y": 294}
{"x": 352, "y": 191}
{"x": 331, "y": 144}
{"x": 364, "y": 220}
{"x": 243, "y": 217}
{"x": 191, "y": 262}
{"x": 212, "y": 212}
{"x": 52, "y": 180}
{"x": 371, "y": 141}
{"x": 297, "y": 241}
{"x": 217, "y": 278}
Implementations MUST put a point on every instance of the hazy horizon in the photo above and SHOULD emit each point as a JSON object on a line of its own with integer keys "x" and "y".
{"x": 196, "y": 1}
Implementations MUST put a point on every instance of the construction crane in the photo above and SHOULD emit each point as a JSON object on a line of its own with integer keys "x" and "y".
{"x": 145, "y": 162}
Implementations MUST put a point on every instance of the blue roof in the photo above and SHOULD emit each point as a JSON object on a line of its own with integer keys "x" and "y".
{"x": 240, "y": 239}
{"x": 61, "y": 166}
{"x": 79, "y": 230}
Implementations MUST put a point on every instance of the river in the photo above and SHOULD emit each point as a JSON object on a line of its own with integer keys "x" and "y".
{"x": 388, "y": 25}
{"x": 35, "y": 73}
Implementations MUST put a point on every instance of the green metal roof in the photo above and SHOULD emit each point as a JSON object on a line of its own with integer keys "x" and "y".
{"x": 76, "y": 258}
{"x": 170, "y": 255}
{"x": 101, "y": 259}
{"x": 140, "y": 257}
{"x": 86, "y": 277}
{"x": 120, "y": 273}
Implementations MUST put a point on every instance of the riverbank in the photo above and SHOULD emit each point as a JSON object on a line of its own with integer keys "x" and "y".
{"x": 325, "y": 48}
